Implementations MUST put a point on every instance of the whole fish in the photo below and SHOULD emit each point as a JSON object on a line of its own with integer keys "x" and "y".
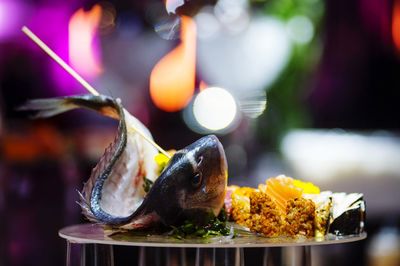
{"x": 192, "y": 186}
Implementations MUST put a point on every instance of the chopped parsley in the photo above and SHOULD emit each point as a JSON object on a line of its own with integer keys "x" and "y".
{"x": 188, "y": 229}
{"x": 147, "y": 184}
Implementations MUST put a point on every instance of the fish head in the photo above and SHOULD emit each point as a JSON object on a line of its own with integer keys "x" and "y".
{"x": 193, "y": 184}
{"x": 206, "y": 185}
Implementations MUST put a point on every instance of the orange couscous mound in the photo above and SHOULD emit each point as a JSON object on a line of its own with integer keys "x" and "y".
{"x": 257, "y": 210}
{"x": 299, "y": 218}
{"x": 265, "y": 217}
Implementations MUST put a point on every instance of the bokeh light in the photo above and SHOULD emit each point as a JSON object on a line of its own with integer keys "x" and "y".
{"x": 300, "y": 29}
{"x": 11, "y": 13}
{"x": 233, "y": 14}
{"x": 172, "y": 5}
{"x": 254, "y": 104}
{"x": 396, "y": 24}
{"x": 255, "y": 57}
{"x": 172, "y": 80}
{"x": 214, "y": 108}
{"x": 207, "y": 23}
{"x": 108, "y": 17}
{"x": 84, "y": 47}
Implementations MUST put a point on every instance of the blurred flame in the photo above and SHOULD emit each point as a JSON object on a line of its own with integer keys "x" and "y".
{"x": 396, "y": 24}
{"x": 172, "y": 80}
{"x": 83, "y": 48}
{"x": 40, "y": 141}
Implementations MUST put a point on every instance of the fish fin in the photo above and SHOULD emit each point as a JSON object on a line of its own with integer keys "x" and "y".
{"x": 86, "y": 211}
{"x": 47, "y": 107}
{"x": 142, "y": 221}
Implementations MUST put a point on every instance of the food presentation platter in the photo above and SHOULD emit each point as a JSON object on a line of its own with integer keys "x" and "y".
{"x": 94, "y": 234}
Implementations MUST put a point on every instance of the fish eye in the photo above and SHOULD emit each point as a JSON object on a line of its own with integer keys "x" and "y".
{"x": 199, "y": 160}
{"x": 196, "y": 180}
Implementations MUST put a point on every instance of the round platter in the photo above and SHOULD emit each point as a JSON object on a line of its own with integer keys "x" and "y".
{"x": 94, "y": 234}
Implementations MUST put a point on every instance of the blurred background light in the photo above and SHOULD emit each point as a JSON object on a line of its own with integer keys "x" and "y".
{"x": 108, "y": 17}
{"x": 246, "y": 63}
{"x": 324, "y": 155}
{"x": 11, "y": 15}
{"x": 214, "y": 108}
{"x": 84, "y": 46}
{"x": 228, "y": 11}
{"x": 172, "y": 5}
{"x": 233, "y": 14}
{"x": 207, "y": 23}
{"x": 300, "y": 29}
{"x": 172, "y": 80}
{"x": 55, "y": 35}
{"x": 168, "y": 27}
{"x": 255, "y": 57}
{"x": 396, "y": 24}
{"x": 253, "y": 104}
{"x": 163, "y": 17}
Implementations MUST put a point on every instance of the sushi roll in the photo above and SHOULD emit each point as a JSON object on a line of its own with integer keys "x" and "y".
{"x": 348, "y": 214}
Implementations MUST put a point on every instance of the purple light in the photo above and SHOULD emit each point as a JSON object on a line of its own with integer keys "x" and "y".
{"x": 51, "y": 25}
{"x": 49, "y": 21}
{"x": 11, "y": 14}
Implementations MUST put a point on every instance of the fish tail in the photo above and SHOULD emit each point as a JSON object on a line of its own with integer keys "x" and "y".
{"x": 53, "y": 106}
{"x": 47, "y": 107}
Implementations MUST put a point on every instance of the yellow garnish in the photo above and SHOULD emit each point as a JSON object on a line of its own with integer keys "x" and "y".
{"x": 243, "y": 191}
{"x": 241, "y": 204}
{"x": 307, "y": 187}
{"x": 162, "y": 160}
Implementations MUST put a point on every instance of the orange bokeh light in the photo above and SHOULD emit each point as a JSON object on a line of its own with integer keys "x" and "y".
{"x": 396, "y": 24}
{"x": 172, "y": 81}
{"x": 83, "y": 54}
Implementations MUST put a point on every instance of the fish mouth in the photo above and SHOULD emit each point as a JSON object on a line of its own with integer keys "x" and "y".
{"x": 224, "y": 163}
{"x": 213, "y": 141}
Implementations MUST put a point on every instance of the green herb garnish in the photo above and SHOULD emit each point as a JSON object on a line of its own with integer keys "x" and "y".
{"x": 222, "y": 216}
{"x": 214, "y": 227}
{"x": 147, "y": 184}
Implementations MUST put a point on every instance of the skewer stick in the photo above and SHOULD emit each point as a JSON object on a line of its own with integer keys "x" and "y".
{"x": 83, "y": 82}
{"x": 58, "y": 59}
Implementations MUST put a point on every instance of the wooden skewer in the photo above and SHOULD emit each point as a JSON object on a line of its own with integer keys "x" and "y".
{"x": 83, "y": 82}
{"x": 58, "y": 59}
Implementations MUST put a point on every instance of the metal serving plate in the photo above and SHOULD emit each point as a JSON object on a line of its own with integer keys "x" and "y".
{"x": 94, "y": 234}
